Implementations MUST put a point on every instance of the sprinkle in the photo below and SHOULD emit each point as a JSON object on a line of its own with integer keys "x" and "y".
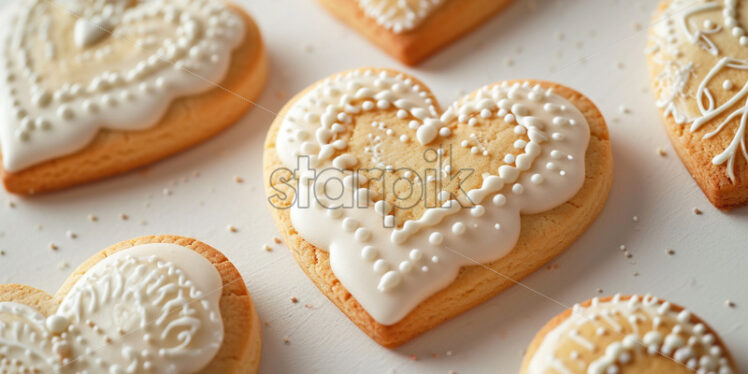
{"x": 267, "y": 248}
{"x": 661, "y": 152}
{"x": 670, "y": 251}
{"x": 231, "y": 228}
{"x": 697, "y": 211}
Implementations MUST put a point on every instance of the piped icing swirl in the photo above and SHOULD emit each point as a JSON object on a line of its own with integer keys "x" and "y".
{"x": 637, "y": 333}
{"x": 70, "y": 68}
{"x": 150, "y": 308}
{"x": 699, "y": 50}
{"x": 389, "y": 259}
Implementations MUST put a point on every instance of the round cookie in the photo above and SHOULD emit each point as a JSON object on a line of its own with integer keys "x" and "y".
{"x": 698, "y": 58}
{"x": 627, "y": 334}
{"x": 129, "y": 84}
{"x": 156, "y": 303}
{"x": 413, "y": 30}
{"x": 397, "y": 268}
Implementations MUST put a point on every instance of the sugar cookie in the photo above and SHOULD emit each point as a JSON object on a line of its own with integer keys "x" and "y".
{"x": 92, "y": 89}
{"x": 627, "y": 334}
{"x": 394, "y": 201}
{"x": 153, "y": 304}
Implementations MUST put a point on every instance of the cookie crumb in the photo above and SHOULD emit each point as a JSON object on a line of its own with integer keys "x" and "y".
{"x": 166, "y": 192}
{"x": 286, "y": 341}
{"x": 635, "y": 218}
{"x": 624, "y": 109}
{"x": 277, "y": 240}
{"x": 413, "y": 358}
{"x": 124, "y": 217}
{"x": 63, "y": 265}
{"x": 71, "y": 234}
{"x": 636, "y": 273}
{"x": 53, "y": 246}
{"x": 622, "y": 247}
{"x": 670, "y": 251}
{"x": 628, "y": 254}
{"x": 294, "y": 300}
{"x": 449, "y": 353}
{"x": 600, "y": 290}
{"x": 238, "y": 179}
{"x": 309, "y": 306}
{"x": 92, "y": 218}
{"x": 636, "y": 26}
{"x": 661, "y": 152}
{"x": 730, "y": 303}
{"x": 232, "y": 228}
{"x": 697, "y": 211}
{"x": 267, "y": 248}
{"x": 11, "y": 204}
{"x": 2, "y": 253}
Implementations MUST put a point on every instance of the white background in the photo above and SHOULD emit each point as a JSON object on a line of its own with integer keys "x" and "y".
{"x": 595, "y": 46}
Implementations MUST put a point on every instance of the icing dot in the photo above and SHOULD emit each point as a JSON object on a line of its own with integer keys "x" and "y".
{"x": 536, "y": 179}
{"x": 57, "y": 323}
{"x": 556, "y": 154}
{"x": 362, "y": 234}
{"x": 518, "y": 188}
{"x": 369, "y": 253}
{"x": 727, "y": 84}
{"x": 509, "y": 158}
{"x": 65, "y": 112}
{"x": 415, "y": 254}
{"x": 389, "y": 281}
{"x": 380, "y": 266}
{"x": 405, "y": 267}
{"x": 519, "y": 144}
{"x": 435, "y": 259}
{"x": 497, "y": 226}
{"x": 335, "y": 213}
{"x": 424, "y": 268}
{"x": 477, "y": 211}
{"x": 499, "y": 200}
{"x": 350, "y": 224}
{"x": 436, "y": 238}
{"x": 458, "y": 228}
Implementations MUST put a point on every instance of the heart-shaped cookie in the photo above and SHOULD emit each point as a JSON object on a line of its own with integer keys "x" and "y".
{"x": 631, "y": 334}
{"x": 412, "y": 30}
{"x": 388, "y": 203}
{"x": 698, "y": 58}
{"x": 158, "y": 304}
{"x": 96, "y": 88}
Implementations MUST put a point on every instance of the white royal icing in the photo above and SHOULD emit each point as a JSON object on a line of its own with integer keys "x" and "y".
{"x": 699, "y": 23}
{"x": 169, "y": 49}
{"x": 150, "y": 308}
{"x": 399, "y": 16}
{"x": 391, "y": 270}
{"x": 688, "y": 343}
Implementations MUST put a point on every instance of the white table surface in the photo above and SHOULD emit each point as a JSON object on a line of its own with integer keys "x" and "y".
{"x": 595, "y": 46}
